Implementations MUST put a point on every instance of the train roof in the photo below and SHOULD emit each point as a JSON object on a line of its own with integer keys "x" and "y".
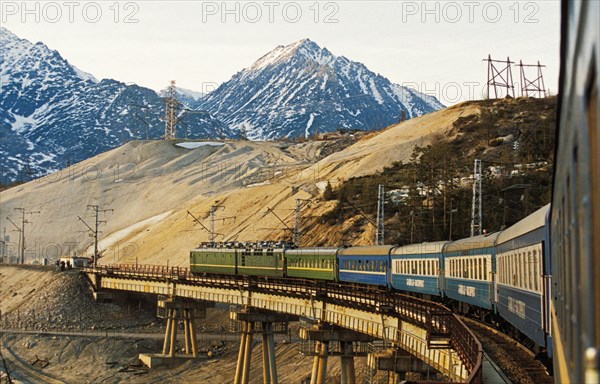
{"x": 313, "y": 251}
{"x": 420, "y": 248}
{"x": 532, "y": 222}
{"x": 366, "y": 250}
{"x": 214, "y": 249}
{"x": 470, "y": 243}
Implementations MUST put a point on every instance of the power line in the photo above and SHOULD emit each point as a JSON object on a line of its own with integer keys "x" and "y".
{"x": 95, "y": 230}
{"x": 21, "y": 230}
{"x": 212, "y": 214}
{"x": 380, "y": 225}
{"x": 171, "y": 105}
{"x": 476, "y": 211}
{"x": 298, "y": 218}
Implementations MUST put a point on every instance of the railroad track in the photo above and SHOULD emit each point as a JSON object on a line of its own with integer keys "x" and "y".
{"x": 516, "y": 361}
{"x": 21, "y": 370}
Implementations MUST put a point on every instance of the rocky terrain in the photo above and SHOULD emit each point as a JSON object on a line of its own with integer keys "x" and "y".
{"x": 51, "y": 317}
{"x": 64, "y": 302}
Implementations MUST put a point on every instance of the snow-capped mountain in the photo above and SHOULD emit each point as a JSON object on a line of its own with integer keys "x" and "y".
{"x": 53, "y": 114}
{"x": 297, "y": 89}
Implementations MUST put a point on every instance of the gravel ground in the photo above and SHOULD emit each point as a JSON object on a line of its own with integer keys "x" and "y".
{"x": 517, "y": 364}
{"x": 66, "y": 303}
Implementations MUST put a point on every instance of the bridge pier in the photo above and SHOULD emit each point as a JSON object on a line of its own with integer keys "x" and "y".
{"x": 176, "y": 309}
{"x": 323, "y": 341}
{"x": 399, "y": 364}
{"x": 267, "y": 324}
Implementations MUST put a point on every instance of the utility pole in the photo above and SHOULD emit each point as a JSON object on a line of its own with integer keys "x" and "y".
{"x": 212, "y": 235}
{"x": 380, "y": 228}
{"x": 536, "y": 85}
{"x": 21, "y": 230}
{"x": 213, "y": 213}
{"x": 500, "y": 77}
{"x": 300, "y": 203}
{"x": 170, "y": 118}
{"x": 287, "y": 227}
{"x": 95, "y": 231}
{"x": 476, "y": 211}
{"x": 412, "y": 226}
{"x": 3, "y": 241}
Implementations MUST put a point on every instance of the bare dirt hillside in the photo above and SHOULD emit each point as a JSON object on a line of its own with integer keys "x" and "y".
{"x": 51, "y": 316}
{"x": 151, "y": 186}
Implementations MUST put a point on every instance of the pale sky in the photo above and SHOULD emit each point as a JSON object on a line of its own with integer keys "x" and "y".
{"x": 436, "y": 47}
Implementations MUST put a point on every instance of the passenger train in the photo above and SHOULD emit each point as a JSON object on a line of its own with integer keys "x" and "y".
{"x": 502, "y": 277}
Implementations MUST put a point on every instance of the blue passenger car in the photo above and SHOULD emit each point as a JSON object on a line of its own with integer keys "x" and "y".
{"x": 416, "y": 268}
{"x": 520, "y": 275}
{"x": 366, "y": 265}
{"x": 468, "y": 270}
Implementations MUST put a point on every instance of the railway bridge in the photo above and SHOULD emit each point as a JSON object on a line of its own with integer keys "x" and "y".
{"x": 419, "y": 334}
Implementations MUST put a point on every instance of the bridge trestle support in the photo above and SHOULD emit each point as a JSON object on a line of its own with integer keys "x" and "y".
{"x": 323, "y": 341}
{"x": 175, "y": 310}
{"x": 400, "y": 365}
{"x": 267, "y": 324}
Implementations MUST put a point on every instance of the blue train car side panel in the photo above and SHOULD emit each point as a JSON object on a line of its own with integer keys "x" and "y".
{"x": 523, "y": 309}
{"x": 365, "y": 265}
{"x": 363, "y": 277}
{"x": 413, "y": 283}
{"x": 470, "y": 291}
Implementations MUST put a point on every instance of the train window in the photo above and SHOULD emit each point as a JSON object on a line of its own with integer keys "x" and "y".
{"x": 525, "y": 269}
{"x": 530, "y": 262}
{"x": 481, "y": 274}
{"x": 519, "y": 269}
{"x": 513, "y": 269}
{"x": 485, "y": 273}
{"x": 468, "y": 268}
{"x": 499, "y": 268}
{"x": 506, "y": 271}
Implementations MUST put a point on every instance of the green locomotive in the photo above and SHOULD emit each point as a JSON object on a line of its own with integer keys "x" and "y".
{"x": 251, "y": 259}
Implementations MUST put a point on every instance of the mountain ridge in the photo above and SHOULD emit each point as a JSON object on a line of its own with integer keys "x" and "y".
{"x": 292, "y": 89}
{"x": 53, "y": 114}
